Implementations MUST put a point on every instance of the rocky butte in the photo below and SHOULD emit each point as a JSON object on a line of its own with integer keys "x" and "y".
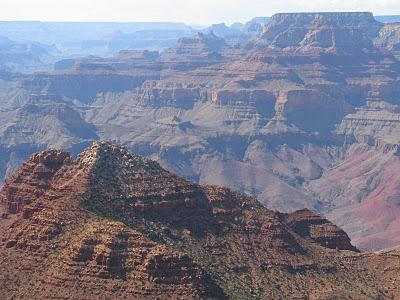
{"x": 111, "y": 224}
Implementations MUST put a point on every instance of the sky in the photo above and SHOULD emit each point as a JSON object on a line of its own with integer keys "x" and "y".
{"x": 199, "y": 12}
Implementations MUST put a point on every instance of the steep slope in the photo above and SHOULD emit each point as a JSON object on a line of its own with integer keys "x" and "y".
{"x": 361, "y": 195}
{"x": 363, "y": 21}
{"x": 389, "y": 38}
{"x": 112, "y": 224}
{"x": 320, "y": 33}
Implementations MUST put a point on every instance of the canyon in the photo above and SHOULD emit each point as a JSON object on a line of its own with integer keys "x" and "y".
{"x": 299, "y": 111}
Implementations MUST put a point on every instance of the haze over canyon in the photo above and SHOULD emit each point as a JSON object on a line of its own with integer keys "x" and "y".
{"x": 283, "y": 133}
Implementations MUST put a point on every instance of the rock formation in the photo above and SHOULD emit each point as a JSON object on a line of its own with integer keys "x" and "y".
{"x": 389, "y": 38}
{"x": 112, "y": 224}
{"x": 276, "y": 116}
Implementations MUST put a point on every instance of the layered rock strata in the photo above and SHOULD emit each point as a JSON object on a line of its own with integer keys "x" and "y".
{"x": 112, "y": 224}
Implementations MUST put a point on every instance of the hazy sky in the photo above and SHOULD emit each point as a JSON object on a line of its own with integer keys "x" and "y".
{"x": 189, "y": 11}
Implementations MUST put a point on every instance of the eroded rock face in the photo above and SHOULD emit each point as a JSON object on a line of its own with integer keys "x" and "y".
{"x": 83, "y": 84}
{"x": 389, "y": 37}
{"x": 361, "y": 194}
{"x": 323, "y": 232}
{"x": 210, "y": 42}
{"x": 194, "y": 52}
{"x": 286, "y": 21}
{"x": 32, "y": 180}
{"x": 377, "y": 120}
{"x": 85, "y": 237}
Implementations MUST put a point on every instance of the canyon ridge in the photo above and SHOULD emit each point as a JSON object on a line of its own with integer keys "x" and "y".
{"x": 301, "y": 111}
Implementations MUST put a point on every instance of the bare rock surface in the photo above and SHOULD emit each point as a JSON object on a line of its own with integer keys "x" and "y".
{"x": 113, "y": 224}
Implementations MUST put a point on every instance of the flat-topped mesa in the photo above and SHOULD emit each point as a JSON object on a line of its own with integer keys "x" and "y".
{"x": 209, "y": 42}
{"x": 320, "y": 32}
{"x": 32, "y": 179}
{"x": 192, "y": 52}
{"x": 324, "y": 33}
{"x": 364, "y": 21}
{"x": 138, "y": 54}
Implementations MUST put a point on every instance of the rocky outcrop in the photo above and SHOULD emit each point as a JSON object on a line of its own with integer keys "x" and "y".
{"x": 84, "y": 83}
{"x": 376, "y": 123}
{"x": 170, "y": 268}
{"x": 389, "y": 37}
{"x": 311, "y": 109}
{"x": 200, "y": 43}
{"x": 244, "y": 97}
{"x": 324, "y": 34}
{"x": 157, "y": 95}
{"x": 32, "y": 180}
{"x": 194, "y": 52}
{"x": 353, "y": 20}
{"x": 309, "y": 224}
{"x": 88, "y": 238}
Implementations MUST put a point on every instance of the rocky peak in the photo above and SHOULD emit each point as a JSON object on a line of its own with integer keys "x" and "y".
{"x": 124, "y": 184}
{"x": 114, "y": 156}
{"x": 109, "y": 181}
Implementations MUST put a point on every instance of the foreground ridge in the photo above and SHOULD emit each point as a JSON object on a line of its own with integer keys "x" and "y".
{"x": 112, "y": 224}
